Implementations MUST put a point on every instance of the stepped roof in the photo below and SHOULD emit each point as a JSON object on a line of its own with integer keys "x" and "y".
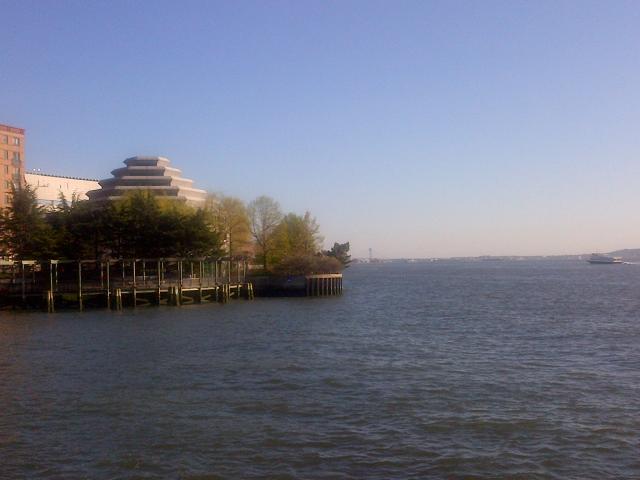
{"x": 151, "y": 174}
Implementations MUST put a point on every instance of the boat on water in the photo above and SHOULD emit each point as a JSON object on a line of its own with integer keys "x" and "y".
{"x": 604, "y": 259}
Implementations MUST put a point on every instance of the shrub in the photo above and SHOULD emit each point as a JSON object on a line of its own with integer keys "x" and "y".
{"x": 307, "y": 265}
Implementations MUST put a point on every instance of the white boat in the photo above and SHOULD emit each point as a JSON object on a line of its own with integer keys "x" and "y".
{"x": 604, "y": 259}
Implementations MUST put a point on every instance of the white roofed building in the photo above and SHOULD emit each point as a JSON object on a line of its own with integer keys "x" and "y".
{"x": 48, "y": 188}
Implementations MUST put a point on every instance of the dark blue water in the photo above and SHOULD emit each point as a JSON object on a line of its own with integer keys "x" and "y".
{"x": 458, "y": 370}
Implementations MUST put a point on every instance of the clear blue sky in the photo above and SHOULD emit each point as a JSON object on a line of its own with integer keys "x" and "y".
{"x": 415, "y": 128}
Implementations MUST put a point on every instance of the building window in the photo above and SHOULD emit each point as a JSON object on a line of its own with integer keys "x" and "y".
{"x": 16, "y": 156}
{"x": 6, "y": 169}
{"x": 4, "y": 139}
{"x": 16, "y": 141}
{"x": 5, "y": 154}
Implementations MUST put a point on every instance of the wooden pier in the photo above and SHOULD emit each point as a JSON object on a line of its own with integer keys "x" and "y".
{"x": 116, "y": 284}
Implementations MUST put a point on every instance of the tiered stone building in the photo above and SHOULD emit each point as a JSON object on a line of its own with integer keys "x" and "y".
{"x": 152, "y": 174}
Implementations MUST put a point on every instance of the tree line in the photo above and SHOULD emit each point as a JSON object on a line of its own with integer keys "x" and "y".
{"x": 143, "y": 225}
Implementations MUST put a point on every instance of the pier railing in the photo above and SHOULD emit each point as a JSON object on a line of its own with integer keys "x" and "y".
{"x": 167, "y": 280}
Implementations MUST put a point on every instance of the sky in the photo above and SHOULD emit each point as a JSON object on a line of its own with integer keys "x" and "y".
{"x": 414, "y": 128}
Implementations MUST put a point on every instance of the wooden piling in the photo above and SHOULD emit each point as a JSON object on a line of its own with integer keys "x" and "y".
{"x": 117, "y": 299}
{"x": 323, "y": 285}
{"x": 24, "y": 286}
{"x": 80, "y": 305}
{"x": 95, "y": 283}
{"x": 50, "y": 302}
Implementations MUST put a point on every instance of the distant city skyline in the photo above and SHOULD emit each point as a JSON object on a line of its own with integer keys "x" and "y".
{"x": 417, "y": 129}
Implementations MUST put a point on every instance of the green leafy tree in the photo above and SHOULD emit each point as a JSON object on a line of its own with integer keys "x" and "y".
{"x": 296, "y": 249}
{"x": 80, "y": 230}
{"x": 204, "y": 240}
{"x": 187, "y": 232}
{"x": 340, "y": 251}
{"x": 232, "y": 224}
{"x": 295, "y": 236}
{"x": 137, "y": 225}
{"x": 139, "y": 212}
{"x": 24, "y": 233}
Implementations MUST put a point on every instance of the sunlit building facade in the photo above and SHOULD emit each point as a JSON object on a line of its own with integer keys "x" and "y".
{"x": 11, "y": 161}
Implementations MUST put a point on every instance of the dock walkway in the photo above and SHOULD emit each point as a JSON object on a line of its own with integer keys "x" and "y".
{"x": 115, "y": 284}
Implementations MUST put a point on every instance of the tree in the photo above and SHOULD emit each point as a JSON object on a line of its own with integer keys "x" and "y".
{"x": 340, "y": 251}
{"x": 24, "y": 234}
{"x": 312, "y": 240}
{"x": 264, "y": 215}
{"x": 78, "y": 228}
{"x": 204, "y": 240}
{"x": 232, "y": 224}
{"x": 297, "y": 245}
{"x": 296, "y": 235}
{"x": 139, "y": 224}
{"x": 141, "y": 212}
{"x": 188, "y": 232}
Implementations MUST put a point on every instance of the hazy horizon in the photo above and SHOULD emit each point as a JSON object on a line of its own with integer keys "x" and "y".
{"x": 417, "y": 129}
{"x": 374, "y": 256}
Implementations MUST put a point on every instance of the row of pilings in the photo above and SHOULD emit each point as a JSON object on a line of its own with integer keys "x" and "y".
{"x": 323, "y": 285}
{"x": 119, "y": 283}
{"x": 122, "y": 283}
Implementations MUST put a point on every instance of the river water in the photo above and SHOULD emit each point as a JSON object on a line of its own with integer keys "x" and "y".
{"x": 442, "y": 370}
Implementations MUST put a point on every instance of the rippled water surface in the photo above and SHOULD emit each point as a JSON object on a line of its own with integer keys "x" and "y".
{"x": 444, "y": 370}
